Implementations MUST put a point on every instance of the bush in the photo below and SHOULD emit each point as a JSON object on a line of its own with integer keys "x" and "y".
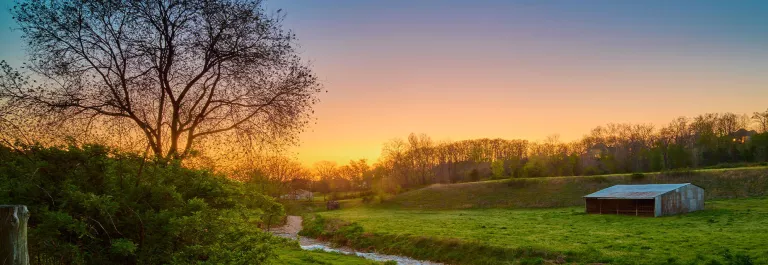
{"x": 92, "y": 205}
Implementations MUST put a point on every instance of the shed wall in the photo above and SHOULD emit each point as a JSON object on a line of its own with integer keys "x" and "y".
{"x": 682, "y": 200}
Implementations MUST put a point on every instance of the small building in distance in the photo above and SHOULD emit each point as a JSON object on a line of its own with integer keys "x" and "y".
{"x": 646, "y": 200}
{"x": 742, "y": 136}
{"x": 298, "y": 195}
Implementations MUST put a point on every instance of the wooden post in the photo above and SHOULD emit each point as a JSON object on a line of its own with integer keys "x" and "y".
{"x": 13, "y": 235}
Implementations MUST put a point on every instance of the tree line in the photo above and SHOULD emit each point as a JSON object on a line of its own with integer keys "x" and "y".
{"x": 707, "y": 140}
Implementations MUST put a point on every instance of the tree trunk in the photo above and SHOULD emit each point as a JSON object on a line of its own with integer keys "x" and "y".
{"x": 13, "y": 235}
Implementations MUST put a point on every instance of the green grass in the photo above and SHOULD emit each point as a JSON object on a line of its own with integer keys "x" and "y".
{"x": 305, "y": 207}
{"x": 291, "y": 256}
{"x": 341, "y": 195}
{"x": 487, "y": 236}
{"x": 568, "y": 191}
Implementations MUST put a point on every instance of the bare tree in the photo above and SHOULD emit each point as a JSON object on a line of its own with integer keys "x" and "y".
{"x": 761, "y": 118}
{"x": 179, "y": 71}
{"x": 394, "y": 157}
{"x": 281, "y": 172}
{"x": 727, "y": 123}
{"x": 325, "y": 169}
{"x": 360, "y": 169}
{"x": 326, "y": 172}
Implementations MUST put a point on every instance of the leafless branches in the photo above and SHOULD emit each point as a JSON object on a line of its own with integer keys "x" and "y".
{"x": 180, "y": 72}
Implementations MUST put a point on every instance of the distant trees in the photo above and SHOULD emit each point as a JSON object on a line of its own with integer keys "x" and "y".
{"x": 421, "y": 161}
{"x": 355, "y": 176}
{"x": 761, "y": 118}
{"x": 178, "y": 74}
{"x": 275, "y": 175}
{"x": 498, "y": 170}
{"x": 705, "y": 140}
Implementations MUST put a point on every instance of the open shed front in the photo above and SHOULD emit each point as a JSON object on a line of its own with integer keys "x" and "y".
{"x": 636, "y": 207}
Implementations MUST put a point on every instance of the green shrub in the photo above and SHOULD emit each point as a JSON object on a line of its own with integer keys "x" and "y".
{"x": 92, "y": 205}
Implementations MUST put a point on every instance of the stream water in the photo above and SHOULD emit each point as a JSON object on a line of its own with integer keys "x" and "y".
{"x": 293, "y": 226}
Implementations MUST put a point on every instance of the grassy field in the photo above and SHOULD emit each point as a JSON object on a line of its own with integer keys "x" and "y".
{"x": 737, "y": 225}
{"x": 567, "y": 191}
{"x": 296, "y": 256}
{"x": 305, "y": 207}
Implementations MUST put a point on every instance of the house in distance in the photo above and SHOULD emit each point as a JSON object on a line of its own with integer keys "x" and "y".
{"x": 298, "y": 195}
{"x": 646, "y": 200}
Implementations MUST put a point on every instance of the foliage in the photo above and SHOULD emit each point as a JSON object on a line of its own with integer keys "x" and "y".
{"x": 497, "y": 168}
{"x": 727, "y": 232}
{"x": 93, "y": 205}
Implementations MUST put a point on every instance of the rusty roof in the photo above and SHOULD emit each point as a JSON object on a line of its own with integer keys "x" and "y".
{"x": 646, "y": 191}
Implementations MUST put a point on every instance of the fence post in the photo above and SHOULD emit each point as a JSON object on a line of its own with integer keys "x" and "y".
{"x": 13, "y": 235}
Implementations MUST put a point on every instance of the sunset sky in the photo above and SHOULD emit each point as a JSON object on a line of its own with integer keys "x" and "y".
{"x": 513, "y": 69}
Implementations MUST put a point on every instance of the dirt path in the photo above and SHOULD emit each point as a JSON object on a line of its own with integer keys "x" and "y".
{"x": 290, "y": 229}
{"x": 293, "y": 226}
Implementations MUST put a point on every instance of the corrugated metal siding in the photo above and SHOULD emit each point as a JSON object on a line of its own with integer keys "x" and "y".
{"x": 682, "y": 200}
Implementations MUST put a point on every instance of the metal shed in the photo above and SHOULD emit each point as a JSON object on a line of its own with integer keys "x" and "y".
{"x": 646, "y": 200}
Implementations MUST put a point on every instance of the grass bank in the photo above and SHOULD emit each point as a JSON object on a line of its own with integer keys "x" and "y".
{"x": 306, "y": 207}
{"x": 449, "y": 250}
{"x": 568, "y": 191}
{"x": 297, "y": 256}
{"x": 728, "y": 232}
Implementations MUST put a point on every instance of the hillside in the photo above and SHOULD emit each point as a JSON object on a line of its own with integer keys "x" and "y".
{"x": 567, "y": 191}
